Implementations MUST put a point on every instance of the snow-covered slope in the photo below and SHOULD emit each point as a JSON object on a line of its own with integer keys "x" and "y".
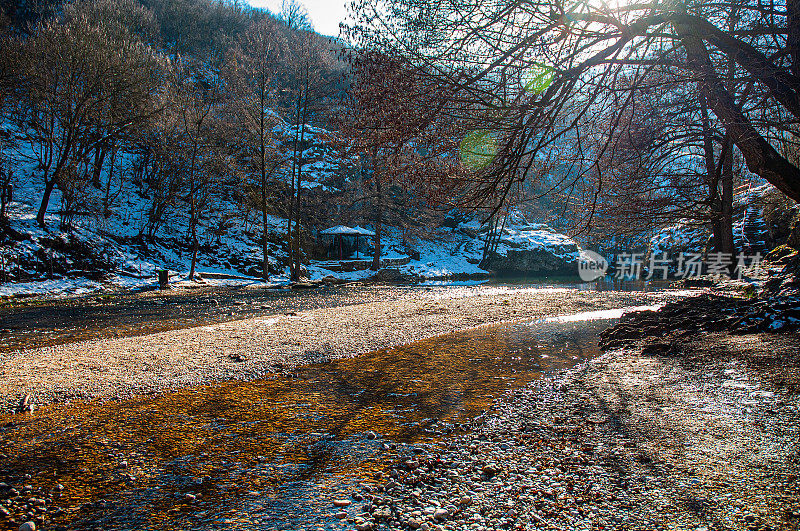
{"x": 111, "y": 251}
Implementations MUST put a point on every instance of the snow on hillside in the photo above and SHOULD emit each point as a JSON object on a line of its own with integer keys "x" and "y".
{"x": 684, "y": 236}
{"x": 447, "y": 253}
{"x": 109, "y": 252}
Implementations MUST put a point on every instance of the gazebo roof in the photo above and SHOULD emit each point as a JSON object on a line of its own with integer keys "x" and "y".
{"x": 363, "y": 231}
{"x": 342, "y": 230}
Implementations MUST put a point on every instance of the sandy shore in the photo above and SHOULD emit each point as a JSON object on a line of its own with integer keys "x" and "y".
{"x": 251, "y": 348}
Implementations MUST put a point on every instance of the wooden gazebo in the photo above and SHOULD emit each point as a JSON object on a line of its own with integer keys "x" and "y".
{"x": 339, "y": 232}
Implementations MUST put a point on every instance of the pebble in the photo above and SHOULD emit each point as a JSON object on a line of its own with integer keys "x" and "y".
{"x": 27, "y": 526}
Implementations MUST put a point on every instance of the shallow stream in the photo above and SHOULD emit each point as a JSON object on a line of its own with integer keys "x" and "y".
{"x": 274, "y": 453}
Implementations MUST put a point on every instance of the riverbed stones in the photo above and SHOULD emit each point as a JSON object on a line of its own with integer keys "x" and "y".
{"x": 490, "y": 469}
{"x": 565, "y": 472}
{"x": 112, "y": 368}
{"x": 341, "y": 503}
{"x": 364, "y": 525}
{"x": 27, "y": 526}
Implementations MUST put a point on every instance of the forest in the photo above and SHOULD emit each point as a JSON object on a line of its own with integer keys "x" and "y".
{"x": 610, "y": 125}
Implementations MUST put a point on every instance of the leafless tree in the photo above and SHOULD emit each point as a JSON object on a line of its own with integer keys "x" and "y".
{"x": 88, "y": 81}
{"x": 253, "y": 69}
{"x": 539, "y": 74}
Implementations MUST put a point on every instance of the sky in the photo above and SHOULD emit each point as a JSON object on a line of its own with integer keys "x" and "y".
{"x": 325, "y": 15}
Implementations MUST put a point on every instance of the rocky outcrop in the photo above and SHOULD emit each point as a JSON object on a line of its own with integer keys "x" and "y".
{"x": 774, "y": 308}
{"x": 533, "y": 250}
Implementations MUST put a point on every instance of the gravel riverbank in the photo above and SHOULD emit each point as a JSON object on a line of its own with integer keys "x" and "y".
{"x": 704, "y": 438}
{"x": 255, "y": 347}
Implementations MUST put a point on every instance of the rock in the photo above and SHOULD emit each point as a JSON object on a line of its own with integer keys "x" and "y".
{"x": 371, "y": 435}
{"x": 25, "y": 405}
{"x": 340, "y": 515}
{"x": 490, "y": 469}
{"x": 440, "y": 514}
{"x": 27, "y": 526}
{"x": 383, "y": 512}
{"x": 341, "y": 503}
{"x": 190, "y": 497}
{"x": 389, "y": 274}
{"x": 465, "y": 500}
{"x": 533, "y": 249}
{"x": 413, "y": 523}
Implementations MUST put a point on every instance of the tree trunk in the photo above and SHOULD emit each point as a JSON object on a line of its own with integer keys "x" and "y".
{"x": 48, "y": 190}
{"x": 293, "y": 192}
{"x": 376, "y": 258}
{"x": 726, "y": 214}
{"x": 303, "y": 122}
{"x": 193, "y": 217}
{"x": 711, "y": 176}
{"x": 761, "y": 158}
{"x": 99, "y": 159}
{"x": 107, "y": 196}
{"x": 263, "y": 152}
{"x": 265, "y": 242}
{"x": 488, "y": 243}
{"x": 793, "y": 35}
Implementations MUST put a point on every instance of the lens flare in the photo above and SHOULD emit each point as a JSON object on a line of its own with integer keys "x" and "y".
{"x": 537, "y": 78}
{"x": 478, "y": 150}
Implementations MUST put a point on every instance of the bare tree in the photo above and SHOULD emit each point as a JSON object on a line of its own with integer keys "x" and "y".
{"x": 87, "y": 81}
{"x": 295, "y": 16}
{"x": 308, "y": 88}
{"x": 198, "y": 100}
{"x": 253, "y": 68}
{"x": 535, "y": 74}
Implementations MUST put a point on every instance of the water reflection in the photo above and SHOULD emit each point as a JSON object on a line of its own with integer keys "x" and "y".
{"x": 273, "y": 452}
